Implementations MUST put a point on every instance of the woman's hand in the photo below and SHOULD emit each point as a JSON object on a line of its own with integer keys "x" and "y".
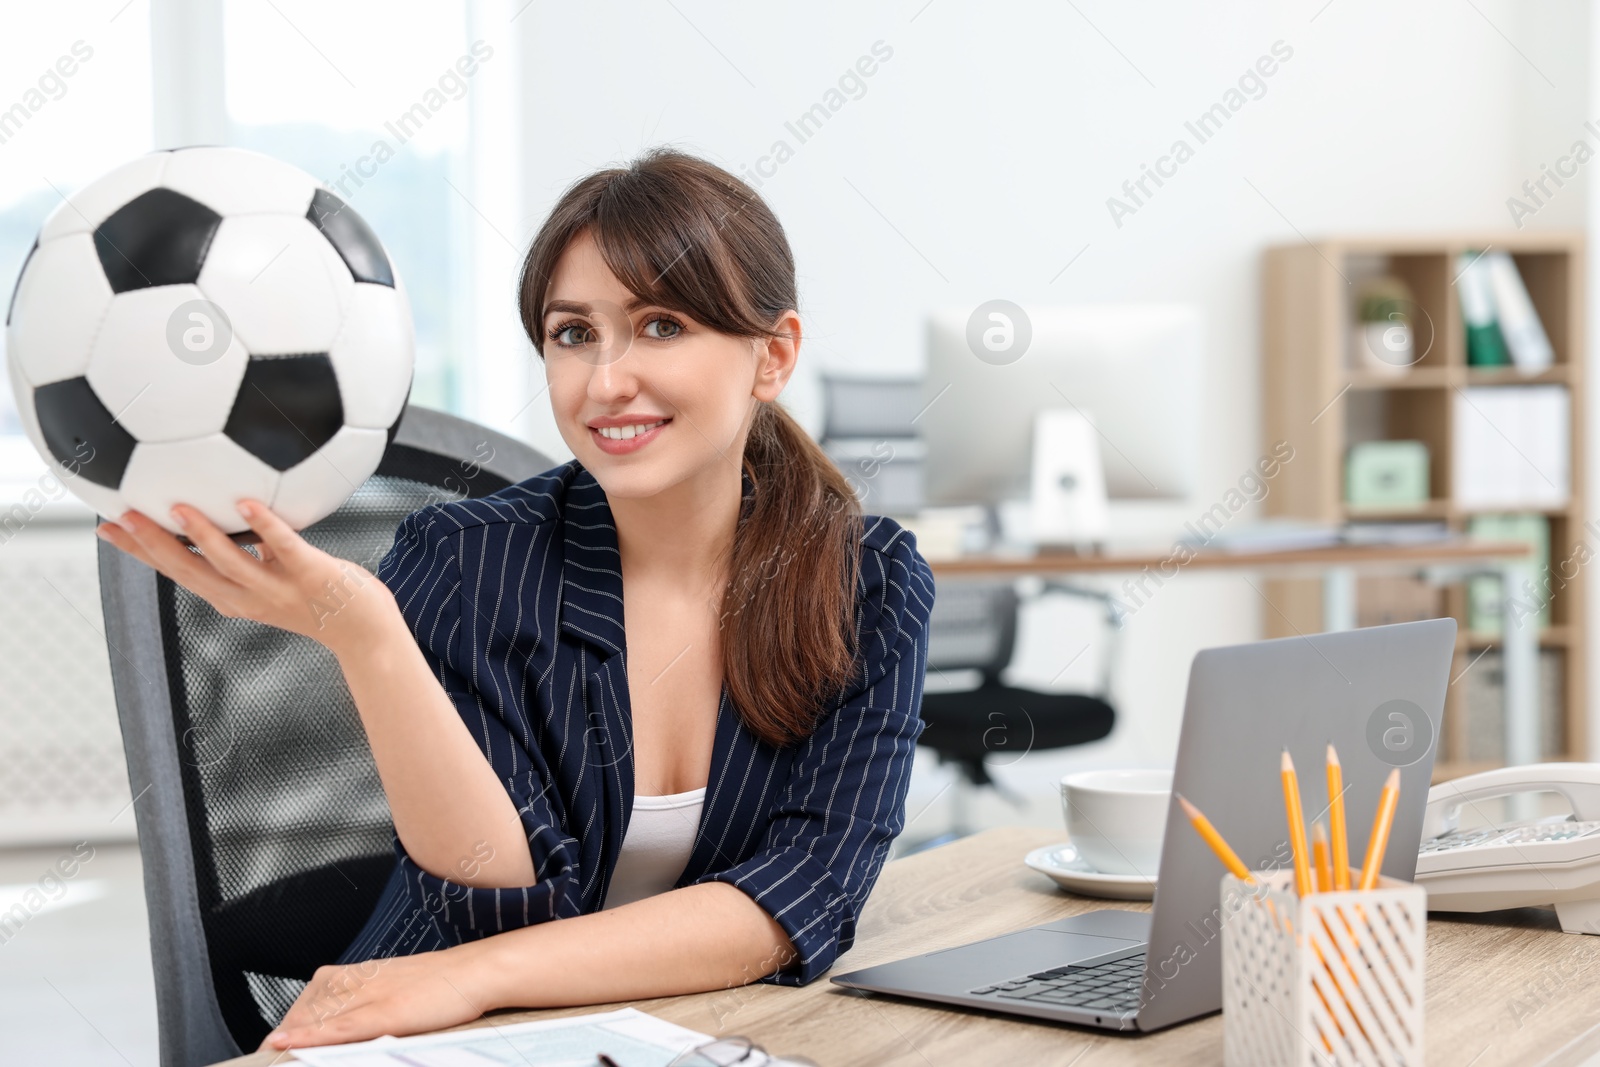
{"x": 399, "y": 996}
{"x": 292, "y": 586}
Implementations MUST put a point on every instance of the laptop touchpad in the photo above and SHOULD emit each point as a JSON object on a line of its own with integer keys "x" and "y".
{"x": 1014, "y": 955}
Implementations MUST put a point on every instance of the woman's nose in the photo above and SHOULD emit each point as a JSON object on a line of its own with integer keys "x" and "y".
{"x": 611, "y": 373}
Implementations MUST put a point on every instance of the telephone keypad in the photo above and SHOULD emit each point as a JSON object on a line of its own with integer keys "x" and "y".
{"x": 1513, "y": 835}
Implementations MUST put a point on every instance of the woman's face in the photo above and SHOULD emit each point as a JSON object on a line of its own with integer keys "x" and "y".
{"x": 611, "y": 359}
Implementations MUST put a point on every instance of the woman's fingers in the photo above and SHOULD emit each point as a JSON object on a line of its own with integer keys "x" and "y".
{"x": 285, "y": 543}
{"x": 123, "y": 540}
{"x": 329, "y": 998}
{"x": 172, "y": 559}
{"x": 283, "y": 587}
{"x": 220, "y": 549}
{"x": 360, "y": 1024}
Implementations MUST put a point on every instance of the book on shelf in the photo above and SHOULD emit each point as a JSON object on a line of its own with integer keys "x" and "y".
{"x": 1512, "y": 447}
{"x": 1485, "y": 345}
{"x": 1519, "y": 323}
{"x": 1502, "y": 325}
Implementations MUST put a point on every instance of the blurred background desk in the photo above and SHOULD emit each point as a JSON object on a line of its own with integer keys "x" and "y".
{"x": 1337, "y": 567}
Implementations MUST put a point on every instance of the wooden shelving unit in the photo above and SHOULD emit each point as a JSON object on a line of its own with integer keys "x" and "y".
{"x": 1315, "y": 400}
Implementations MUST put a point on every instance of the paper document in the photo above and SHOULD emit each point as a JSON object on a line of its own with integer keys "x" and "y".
{"x": 629, "y": 1036}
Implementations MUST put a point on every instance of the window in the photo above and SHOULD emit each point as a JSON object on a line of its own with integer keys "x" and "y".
{"x": 75, "y": 101}
{"x": 407, "y": 112}
{"x": 372, "y": 105}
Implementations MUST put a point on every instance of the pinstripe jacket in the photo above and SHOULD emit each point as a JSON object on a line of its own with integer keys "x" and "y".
{"x": 516, "y": 602}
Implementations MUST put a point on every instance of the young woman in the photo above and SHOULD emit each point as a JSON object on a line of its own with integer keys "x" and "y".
{"x": 666, "y": 693}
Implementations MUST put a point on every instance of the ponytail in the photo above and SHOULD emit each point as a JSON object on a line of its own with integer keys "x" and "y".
{"x": 787, "y": 624}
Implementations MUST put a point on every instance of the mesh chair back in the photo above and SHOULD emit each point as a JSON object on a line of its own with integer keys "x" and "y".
{"x": 973, "y": 627}
{"x": 263, "y": 827}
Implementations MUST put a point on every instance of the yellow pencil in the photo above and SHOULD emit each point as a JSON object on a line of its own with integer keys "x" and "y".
{"x": 1319, "y": 856}
{"x": 1382, "y": 823}
{"x": 1338, "y": 841}
{"x": 1219, "y": 845}
{"x": 1297, "y": 827}
{"x": 1208, "y": 833}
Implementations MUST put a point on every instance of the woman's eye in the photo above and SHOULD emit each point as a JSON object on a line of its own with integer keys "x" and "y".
{"x": 572, "y": 336}
{"x": 662, "y": 329}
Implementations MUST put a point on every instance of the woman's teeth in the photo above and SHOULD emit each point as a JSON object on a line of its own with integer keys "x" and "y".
{"x": 622, "y": 433}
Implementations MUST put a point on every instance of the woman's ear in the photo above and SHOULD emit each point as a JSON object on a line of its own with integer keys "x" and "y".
{"x": 778, "y": 356}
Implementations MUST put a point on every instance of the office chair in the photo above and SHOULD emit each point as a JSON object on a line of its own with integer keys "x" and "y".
{"x": 973, "y": 627}
{"x": 263, "y": 828}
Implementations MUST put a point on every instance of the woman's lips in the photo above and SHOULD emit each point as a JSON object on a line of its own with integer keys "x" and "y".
{"x": 613, "y": 447}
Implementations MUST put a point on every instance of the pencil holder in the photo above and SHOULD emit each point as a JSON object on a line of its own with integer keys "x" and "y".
{"x": 1328, "y": 978}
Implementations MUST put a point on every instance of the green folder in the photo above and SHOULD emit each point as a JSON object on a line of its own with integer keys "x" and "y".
{"x": 1486, "y": 346}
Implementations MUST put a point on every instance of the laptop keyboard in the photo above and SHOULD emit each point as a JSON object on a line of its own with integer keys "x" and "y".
{"x": 1112, "y": 986}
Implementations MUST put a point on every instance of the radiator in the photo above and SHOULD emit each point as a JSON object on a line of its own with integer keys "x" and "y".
{"x": 62, "y": 774}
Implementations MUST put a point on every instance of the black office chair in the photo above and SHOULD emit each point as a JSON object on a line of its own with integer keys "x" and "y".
{"x": 263, "y": 828}
{"x": 973, "y": 627}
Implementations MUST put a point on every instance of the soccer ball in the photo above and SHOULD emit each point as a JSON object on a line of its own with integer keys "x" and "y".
{"x": 207, "y": 324}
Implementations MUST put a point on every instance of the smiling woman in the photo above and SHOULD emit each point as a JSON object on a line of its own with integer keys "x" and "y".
{"x": 645, "y": 721}
{"x": 667, "y": 291}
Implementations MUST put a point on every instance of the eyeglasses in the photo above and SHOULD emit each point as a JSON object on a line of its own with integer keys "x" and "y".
{"x": 735, "y": 1052}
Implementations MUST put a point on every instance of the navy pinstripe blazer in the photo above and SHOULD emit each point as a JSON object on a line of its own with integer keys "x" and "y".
{"x": 516, "y": 602}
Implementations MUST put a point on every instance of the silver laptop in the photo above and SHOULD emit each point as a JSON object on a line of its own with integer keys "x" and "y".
{"x": 1377, "y": 694}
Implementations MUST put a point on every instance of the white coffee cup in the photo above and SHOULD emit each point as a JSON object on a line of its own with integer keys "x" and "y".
{"x": 1117, "y": 818}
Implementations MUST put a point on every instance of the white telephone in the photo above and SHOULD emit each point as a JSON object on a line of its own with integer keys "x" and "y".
{"x": 1539, "y": 863}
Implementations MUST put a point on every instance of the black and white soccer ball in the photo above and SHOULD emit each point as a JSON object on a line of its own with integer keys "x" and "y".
{"x": 208, "y": 324}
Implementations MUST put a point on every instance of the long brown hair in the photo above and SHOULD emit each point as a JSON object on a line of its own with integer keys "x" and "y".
{"x": 685, "y": 235}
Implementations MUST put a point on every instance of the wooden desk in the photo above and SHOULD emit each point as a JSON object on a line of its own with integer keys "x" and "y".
{"x": 1508, "y": 992}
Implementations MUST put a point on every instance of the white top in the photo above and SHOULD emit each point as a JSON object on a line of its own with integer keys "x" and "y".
{"x": 656, "y": 849}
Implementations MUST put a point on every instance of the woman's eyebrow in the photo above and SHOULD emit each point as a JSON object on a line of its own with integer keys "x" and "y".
{"x": 578, "y": 307}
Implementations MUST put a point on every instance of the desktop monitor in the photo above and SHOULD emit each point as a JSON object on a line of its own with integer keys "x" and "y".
{"x": 1132, "y": 369}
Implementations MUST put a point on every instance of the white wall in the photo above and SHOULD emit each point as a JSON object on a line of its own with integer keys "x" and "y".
{"x": 978, "y": 163}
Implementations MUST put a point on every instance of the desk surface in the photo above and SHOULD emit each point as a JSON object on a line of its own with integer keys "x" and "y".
{"x": 1424, "y": 554}
{"x": 1514, "y": 991}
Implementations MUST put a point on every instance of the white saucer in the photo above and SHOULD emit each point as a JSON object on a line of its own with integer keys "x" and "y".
{"x": 1069, "y": 870}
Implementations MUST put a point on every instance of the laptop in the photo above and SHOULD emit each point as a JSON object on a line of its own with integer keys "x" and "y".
{"x": 1377, "y": 694}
